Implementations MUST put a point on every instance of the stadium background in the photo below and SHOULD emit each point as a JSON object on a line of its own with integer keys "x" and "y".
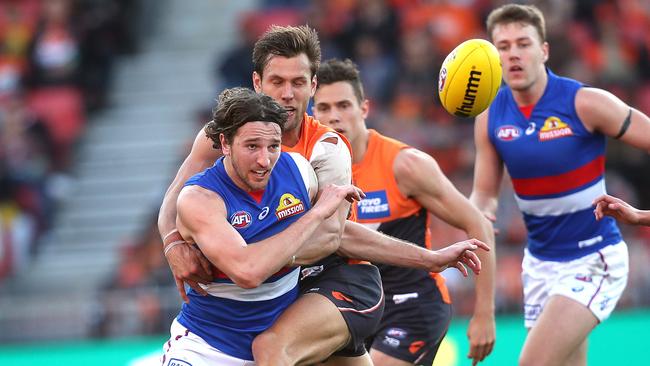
{"x": 100, "y": 99}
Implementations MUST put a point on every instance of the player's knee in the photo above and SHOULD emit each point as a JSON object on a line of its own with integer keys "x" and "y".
{"x": 268, "y": 350}
{"x": 528, "y": 360}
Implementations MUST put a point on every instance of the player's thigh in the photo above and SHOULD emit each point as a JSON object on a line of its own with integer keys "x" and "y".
{"x": 309, "y": 331}
{"x": 379, "y": 358}
{"x": 363, "y": 360}
{"x": 560, "y": 330}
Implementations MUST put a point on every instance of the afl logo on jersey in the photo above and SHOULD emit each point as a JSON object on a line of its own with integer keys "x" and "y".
{"x": 508, "y": 133}
{"x": 289, "y": 206}
{"x": 240, "y": 219}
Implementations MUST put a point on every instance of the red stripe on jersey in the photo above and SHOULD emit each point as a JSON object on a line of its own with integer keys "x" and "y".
{"x": 561, "y": 182}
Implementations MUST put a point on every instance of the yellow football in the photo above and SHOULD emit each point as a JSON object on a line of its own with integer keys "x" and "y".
{"x": 469, "y": 78}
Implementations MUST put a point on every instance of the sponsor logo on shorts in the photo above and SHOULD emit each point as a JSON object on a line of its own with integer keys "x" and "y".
{"x": 177, "y": 362}
{"x": 508, "y": 133}
{"x": 578, "y": 288}
{"x": 400, "y": 298}
{"x": 289, "y": 206}
{"x": 311, "y": 271}
{"x": 583, "y": 278}
{"x": 240, "y": 219}
{"x": 605, "y": 303}
{"x": 532, "y": 311}
{"x": 391, "y": 342}
{"x": 340, "y": 296}
{"x": 397, "y": 333}
{"x": 553, "y": 129}
{"x": 416, "y": 346}
{"x": 374, "y": 206}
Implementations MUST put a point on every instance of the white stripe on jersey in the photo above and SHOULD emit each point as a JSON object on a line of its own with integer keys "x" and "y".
{"x": 265, "y": 291}
{"x": 574, "y": 202}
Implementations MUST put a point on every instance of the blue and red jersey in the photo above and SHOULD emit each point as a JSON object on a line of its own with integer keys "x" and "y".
{"x": 557, "y": 168}
{"x": 230, "y": 317}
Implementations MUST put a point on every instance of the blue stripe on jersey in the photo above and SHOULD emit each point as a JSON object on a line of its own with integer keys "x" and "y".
{"x": 573, "y": 235}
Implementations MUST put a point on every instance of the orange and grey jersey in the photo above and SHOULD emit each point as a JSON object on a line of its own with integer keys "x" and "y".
{"x": 387, "y": 210}
{"x": 330, "y": 155}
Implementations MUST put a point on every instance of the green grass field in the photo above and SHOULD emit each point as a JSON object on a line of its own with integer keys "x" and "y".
{"x": 618, "y": 341}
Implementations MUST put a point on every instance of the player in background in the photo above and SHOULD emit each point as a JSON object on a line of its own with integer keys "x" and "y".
{"x": 574, "y": 267}
{"x": 403, "y": 184}
{"x": 224, "y": 210}
{"x": 341, "y": 303}
{"x": 622, "y": 211}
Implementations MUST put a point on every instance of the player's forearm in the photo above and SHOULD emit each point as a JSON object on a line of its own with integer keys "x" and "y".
{"x": 485, "y": 203}
{"x": 167, "y": 213}
{"x": 262, "y": 259}
{"x": 325, "y": 240}
{"x": 485, "y": 281}
{"x": 360, "y": 242}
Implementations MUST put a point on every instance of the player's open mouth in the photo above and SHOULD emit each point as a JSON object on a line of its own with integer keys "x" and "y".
{"x": 260, "y": 173}
{"x": 290, "y": 110}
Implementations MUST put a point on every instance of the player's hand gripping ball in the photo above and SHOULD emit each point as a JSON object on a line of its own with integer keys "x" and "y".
{"x": 469, "y": 78}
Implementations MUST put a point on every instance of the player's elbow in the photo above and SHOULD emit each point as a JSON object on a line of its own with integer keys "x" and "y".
{"x": 247, "y": 278}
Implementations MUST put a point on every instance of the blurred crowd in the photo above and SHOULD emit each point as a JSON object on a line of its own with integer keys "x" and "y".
{"x": 56, "y": 59}
{"x": 55, "y": 65}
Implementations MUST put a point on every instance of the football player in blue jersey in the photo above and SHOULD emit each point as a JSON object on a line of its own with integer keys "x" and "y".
{"x": 249, "y": 214}
{"x": 575, "y": 267}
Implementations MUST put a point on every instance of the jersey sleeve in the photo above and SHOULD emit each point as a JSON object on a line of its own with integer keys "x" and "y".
{"x": 307, "y": 173}
{"x": 331, "y": 161}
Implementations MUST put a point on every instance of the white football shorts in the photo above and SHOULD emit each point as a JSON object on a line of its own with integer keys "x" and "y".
{"x": 185, "y": 348}
{"x": 596, "y": 280}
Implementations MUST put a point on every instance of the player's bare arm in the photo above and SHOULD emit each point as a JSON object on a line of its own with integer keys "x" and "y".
{"x": 419, "y": 176}
{"x": 488, "y": 171}
{"x": 187, "y": 263}
{"x": 600, "y": 110}
{"x": 202, "y": 219}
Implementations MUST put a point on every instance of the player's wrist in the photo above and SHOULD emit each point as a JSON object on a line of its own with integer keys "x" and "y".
{"x": 172, "y": 240}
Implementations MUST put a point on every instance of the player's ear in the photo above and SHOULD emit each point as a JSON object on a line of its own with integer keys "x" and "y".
{"x": 225, "y": 146}
{"x": 365, "y": 108}
{"x": 257, "y": 82}
{"x": 545, "y": 49}
{"x": 314, "y": 83}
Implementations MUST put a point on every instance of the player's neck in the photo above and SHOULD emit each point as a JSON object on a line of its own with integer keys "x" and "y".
{"x": 360, "y": 146}
{"x": 532, "y": 94}
{"x": 291, "y": 137}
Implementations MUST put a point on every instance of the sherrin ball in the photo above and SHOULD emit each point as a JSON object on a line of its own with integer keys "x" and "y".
{"x": 469, "y": 78}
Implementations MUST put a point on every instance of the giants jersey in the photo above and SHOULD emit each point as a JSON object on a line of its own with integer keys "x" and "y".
{"x": 557, "y": 169}
{"x": 385, "y": 209}
{"x": 310, "y": 146}
{"x": 230, "y": 316}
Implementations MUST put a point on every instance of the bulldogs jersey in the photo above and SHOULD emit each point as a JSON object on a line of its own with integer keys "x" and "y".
{"x": 557, "y": 169}
{"x": 388, "y": 211}
{"x": 230, "y": 317}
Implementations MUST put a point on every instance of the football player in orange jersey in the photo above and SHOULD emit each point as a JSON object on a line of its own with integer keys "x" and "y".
{"x": 402, "y": 185}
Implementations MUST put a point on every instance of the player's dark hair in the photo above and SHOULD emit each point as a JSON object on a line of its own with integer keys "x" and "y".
{"x": 238, "y": 106}
{"x": 335, "y": 70}
{"x": 515, "y": 13}
{"x": 287, "y": 42}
